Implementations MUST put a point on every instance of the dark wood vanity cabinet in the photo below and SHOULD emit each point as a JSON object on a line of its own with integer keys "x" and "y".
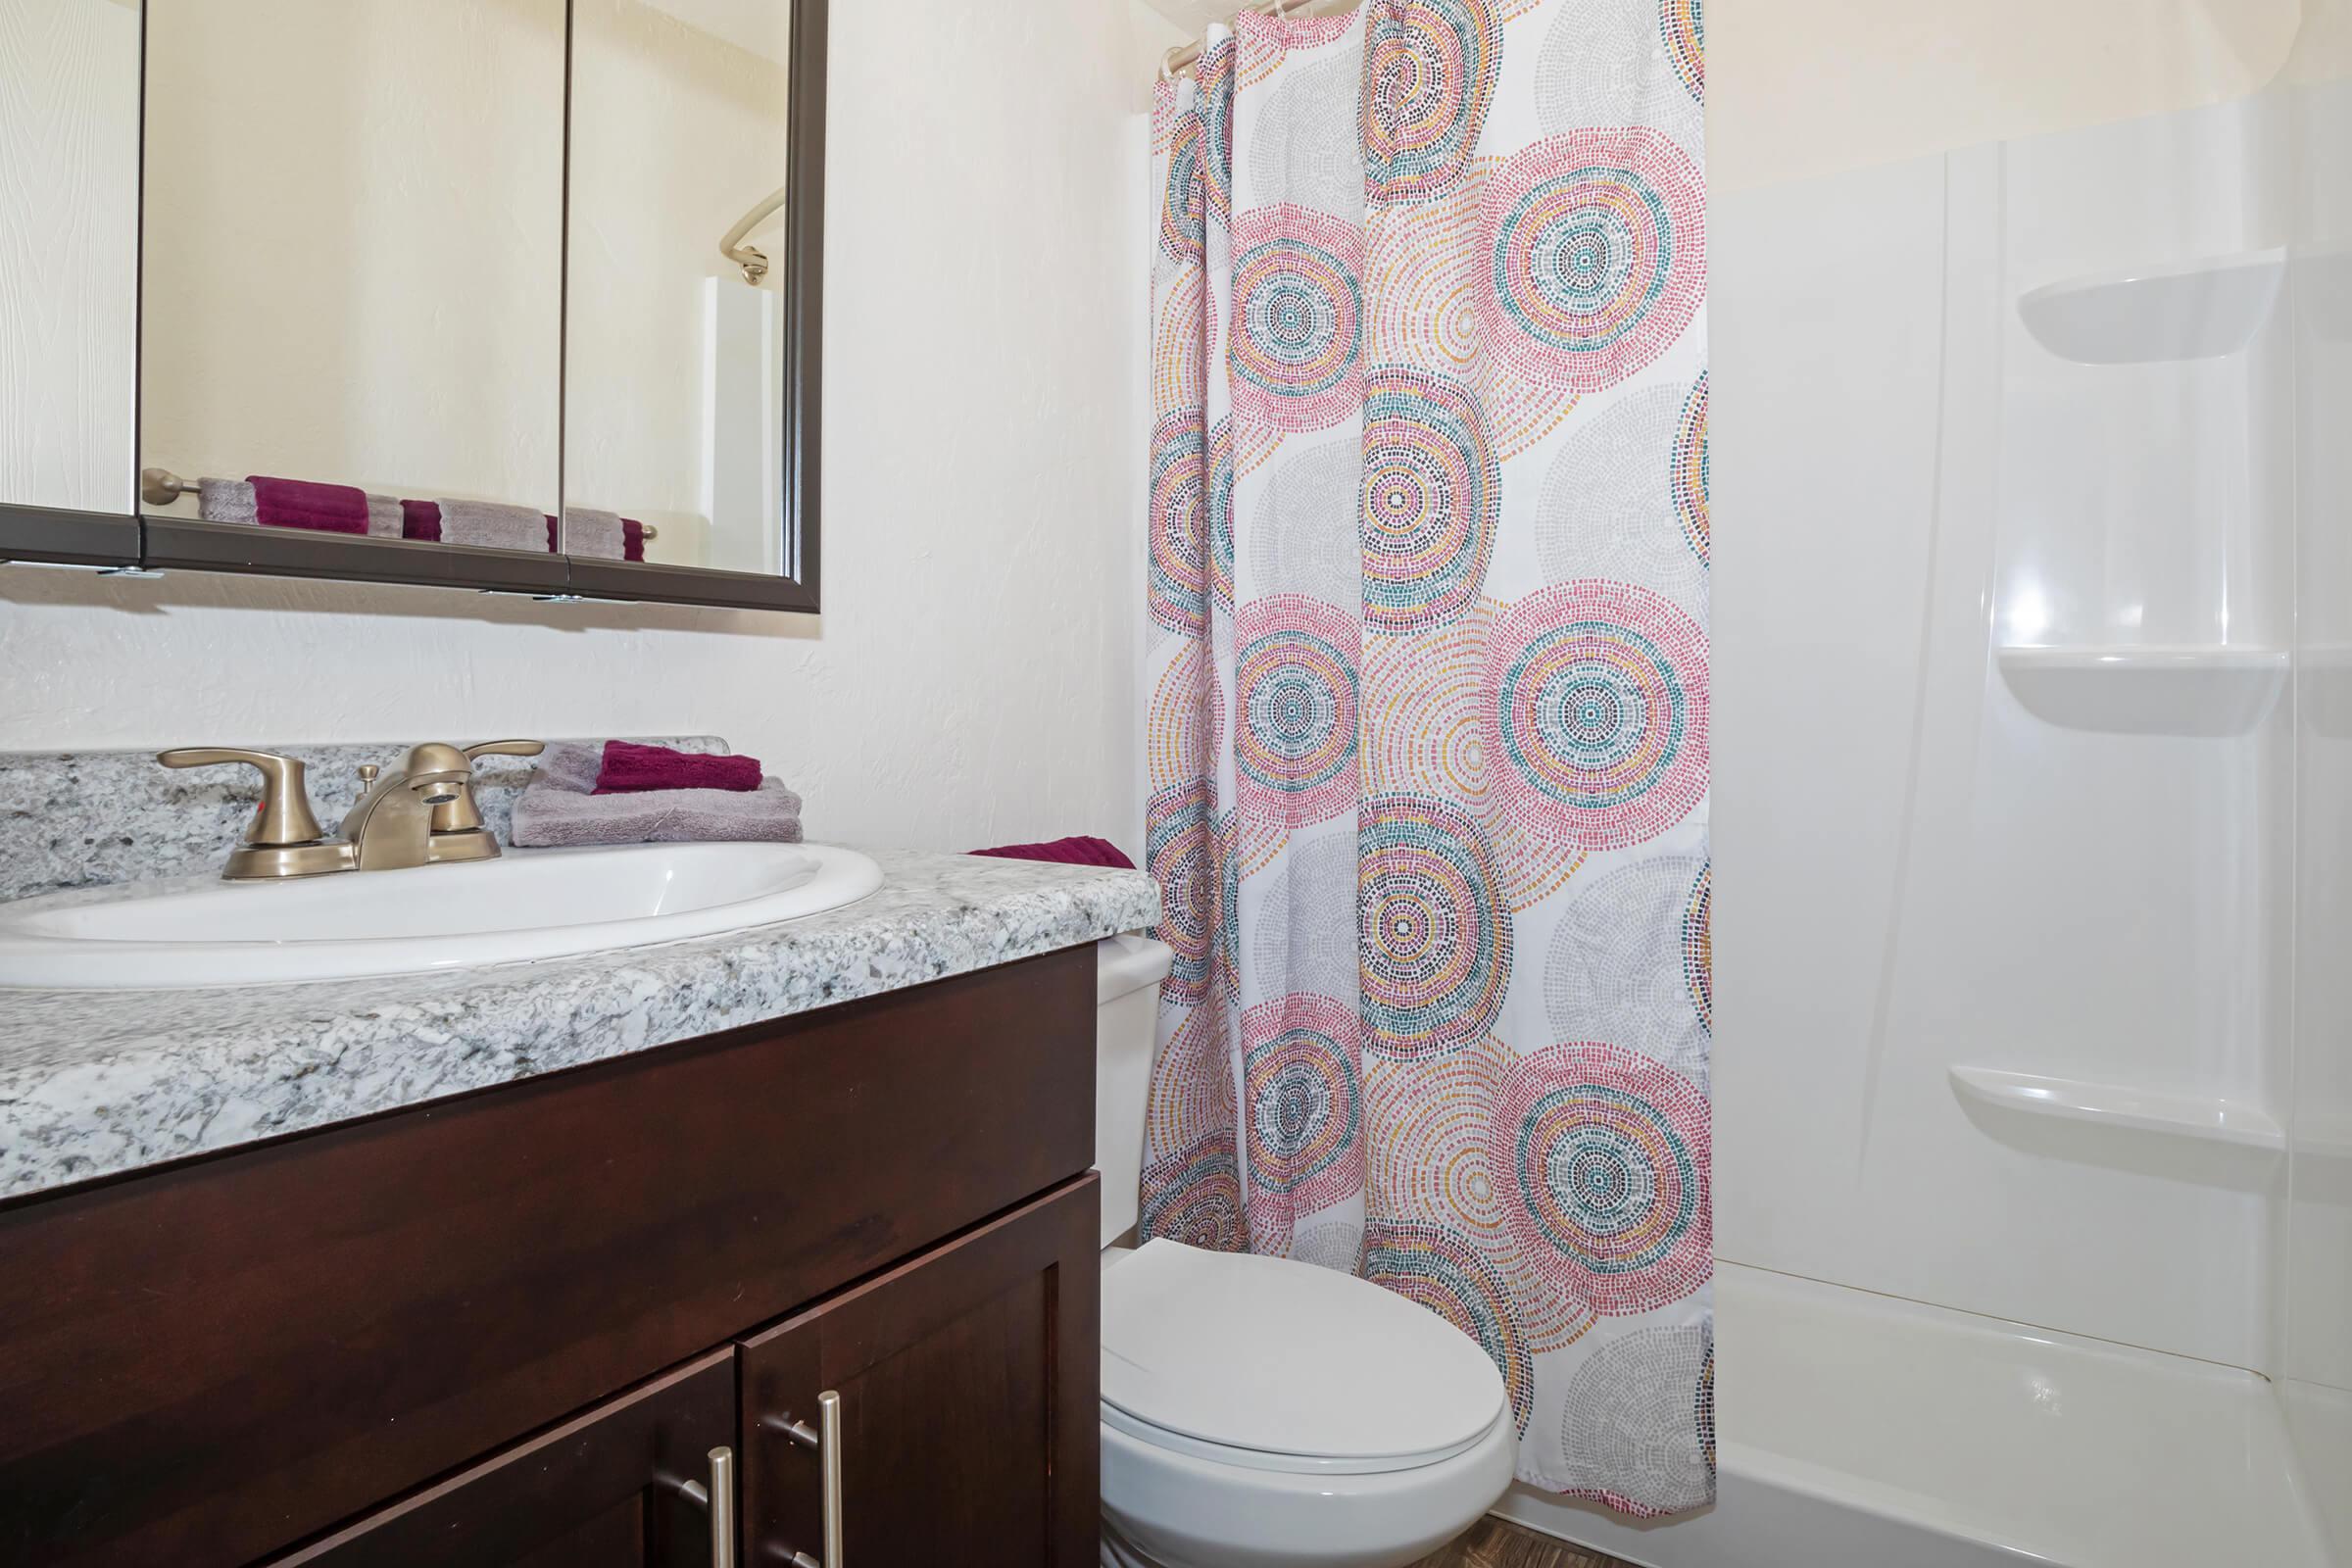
{"x": 509, "y": 1329}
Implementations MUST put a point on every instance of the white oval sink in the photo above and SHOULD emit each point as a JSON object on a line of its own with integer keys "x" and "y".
{"x": 529, "y": 904}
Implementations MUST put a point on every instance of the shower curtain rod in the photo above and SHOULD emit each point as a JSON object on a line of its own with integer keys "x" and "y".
{"x": 1184, "y": 56}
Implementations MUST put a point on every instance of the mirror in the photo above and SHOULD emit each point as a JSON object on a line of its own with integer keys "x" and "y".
{"x": 677, "y": 356}
{"x": 69, "y": 258}
{"x": 352, "y": 283}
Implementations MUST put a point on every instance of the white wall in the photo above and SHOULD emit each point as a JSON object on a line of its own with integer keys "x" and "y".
{"x": 971, "y": 680}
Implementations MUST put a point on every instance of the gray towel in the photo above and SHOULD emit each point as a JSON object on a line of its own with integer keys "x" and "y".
{"x": 229, "y": 501}
{"x": 493, "y": 526}
{"x": 384, "y": 518}
{"x": 590, "y": 532}
{"x": 556, "y": 810}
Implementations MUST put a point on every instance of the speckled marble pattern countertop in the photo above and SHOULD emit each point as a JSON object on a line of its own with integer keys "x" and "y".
{"x": 93, "y": 1082}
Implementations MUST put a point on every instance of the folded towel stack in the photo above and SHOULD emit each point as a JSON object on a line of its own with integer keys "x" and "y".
{"x": 616, "y": 794}
{"x": 484, "y": 524}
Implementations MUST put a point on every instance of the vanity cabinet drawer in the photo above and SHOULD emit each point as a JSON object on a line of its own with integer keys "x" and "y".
{"x": 205, "y": 1365}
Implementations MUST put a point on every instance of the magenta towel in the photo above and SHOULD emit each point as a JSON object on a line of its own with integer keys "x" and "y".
{"x": 1076, "y": 851}
{"x": 631, "y": 769}
{"x": 303, "y": 503}
{"x": 421, "y": 519}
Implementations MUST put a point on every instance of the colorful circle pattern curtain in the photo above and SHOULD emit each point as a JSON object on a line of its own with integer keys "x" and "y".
{"x": 1428, "y": 692}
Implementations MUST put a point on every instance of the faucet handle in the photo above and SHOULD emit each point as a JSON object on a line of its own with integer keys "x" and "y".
{"x": 462, "y": 814}
{"x": 286, "y": 816}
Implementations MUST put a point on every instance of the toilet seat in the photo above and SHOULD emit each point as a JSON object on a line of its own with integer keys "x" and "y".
{"x": 1269, "y": 1364}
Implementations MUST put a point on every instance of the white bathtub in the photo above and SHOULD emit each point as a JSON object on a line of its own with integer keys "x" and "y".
{"x": 1859, "y": 1431}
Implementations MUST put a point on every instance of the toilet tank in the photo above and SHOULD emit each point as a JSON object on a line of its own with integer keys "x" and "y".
{"x": 1128, "y": 971}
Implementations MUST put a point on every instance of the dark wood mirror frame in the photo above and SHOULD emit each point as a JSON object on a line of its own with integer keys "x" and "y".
{"x": 181, "y": 544}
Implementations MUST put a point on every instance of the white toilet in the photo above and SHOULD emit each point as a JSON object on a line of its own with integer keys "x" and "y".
{"x": 1259, "y": 1412}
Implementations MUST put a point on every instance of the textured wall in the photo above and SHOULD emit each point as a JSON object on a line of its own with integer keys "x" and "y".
{"x": 972, "y": 679}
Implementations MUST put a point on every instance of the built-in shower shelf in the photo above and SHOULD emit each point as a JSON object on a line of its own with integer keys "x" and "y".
{"x": 2209, "y": 689}
{"x": 2209, "y": 1119}
{"x": 2197, "y": 310}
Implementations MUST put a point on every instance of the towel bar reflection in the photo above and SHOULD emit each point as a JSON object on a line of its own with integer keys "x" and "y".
{"x": 160, "y": 487}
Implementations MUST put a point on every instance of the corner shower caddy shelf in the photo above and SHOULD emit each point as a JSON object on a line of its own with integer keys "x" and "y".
{"x": 2195, "y": 309}
{"x": 2207, "y": 690}
{"x": 2212, "y": 1119}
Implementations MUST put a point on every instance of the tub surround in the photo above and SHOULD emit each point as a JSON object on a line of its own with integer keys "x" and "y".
{"x": 96, "y": 1083}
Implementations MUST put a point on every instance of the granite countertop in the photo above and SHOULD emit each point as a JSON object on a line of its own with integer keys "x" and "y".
{"x": 95, "y": 1083}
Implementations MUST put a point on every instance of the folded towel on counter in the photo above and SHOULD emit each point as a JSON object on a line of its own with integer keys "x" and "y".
{"x": 555, "y": 812}
{"x": 627, "y": 768}
{"x": 1076, "y": 851}
{"x": 607, "y": 535}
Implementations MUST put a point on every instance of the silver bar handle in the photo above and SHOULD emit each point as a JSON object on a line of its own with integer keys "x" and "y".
{"x": 720, "y": 1499}
{"x": 825, "y": 1438}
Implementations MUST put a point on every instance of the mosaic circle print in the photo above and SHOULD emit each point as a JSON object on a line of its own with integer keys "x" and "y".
{"x": 1194, "y": 1197}
{"x": 1445, "y": 1272}
{"x": 1180, "y": 850}
{"x": 1297, "y": 318}
{"x": 1179, "y": 525}
{"x": 1192, "y": 1081}
{"x": 1689, "y": 473}
{"x": 1429, "y": 78}
{"x": 1699, "y": 948}
{"x": 1219, "y": 501}
{"x": 1631, "y": 1434}
{"x": 1596, "y": 721}
{"x": 1431, "y": 502}
{"x": 1596, "y": 251}
{"x": 1212, "y": 77}
{"x": 1683, "y": 31}
{"x": 1610, "y": 1153}
{"x": 1294, "y": 743}
{"x": 1304, "y": 1107}
{"x": 1617, "y": 969}
{"x": 1608, "y": 508}
{"x": 1433, "y": 938}
{"x": 1182, "y": 225}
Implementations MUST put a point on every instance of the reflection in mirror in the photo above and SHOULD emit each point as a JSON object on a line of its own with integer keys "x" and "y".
{"x": 354, "y": 219}
{"x": 673, "y": 408}
{"x": 69, "y": 251}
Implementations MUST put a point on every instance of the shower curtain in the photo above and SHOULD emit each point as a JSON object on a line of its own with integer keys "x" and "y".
{"x": 1428, "y": 692}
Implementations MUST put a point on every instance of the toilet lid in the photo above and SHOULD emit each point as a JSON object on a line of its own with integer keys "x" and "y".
{"x": 1287, "y": 1359}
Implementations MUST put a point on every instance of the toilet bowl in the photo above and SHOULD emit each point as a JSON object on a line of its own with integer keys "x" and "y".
{"x": 1259, "y": 1412}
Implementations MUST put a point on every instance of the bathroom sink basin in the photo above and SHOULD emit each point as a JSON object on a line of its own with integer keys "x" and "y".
{"x": 529, "y": 904}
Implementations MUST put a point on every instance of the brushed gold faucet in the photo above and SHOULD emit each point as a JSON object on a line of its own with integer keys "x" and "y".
{"x": 423, "y": 815}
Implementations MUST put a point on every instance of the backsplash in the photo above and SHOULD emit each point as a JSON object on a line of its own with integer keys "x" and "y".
{"x": 80, "y": 819}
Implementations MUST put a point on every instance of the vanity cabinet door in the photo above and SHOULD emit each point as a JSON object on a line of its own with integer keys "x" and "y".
{"x": 605, "y": 1490}
{"x": 969, "y": 1379}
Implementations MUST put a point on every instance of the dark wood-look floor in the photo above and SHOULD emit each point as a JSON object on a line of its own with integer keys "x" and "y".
{"x": 1492, "y": 1543}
